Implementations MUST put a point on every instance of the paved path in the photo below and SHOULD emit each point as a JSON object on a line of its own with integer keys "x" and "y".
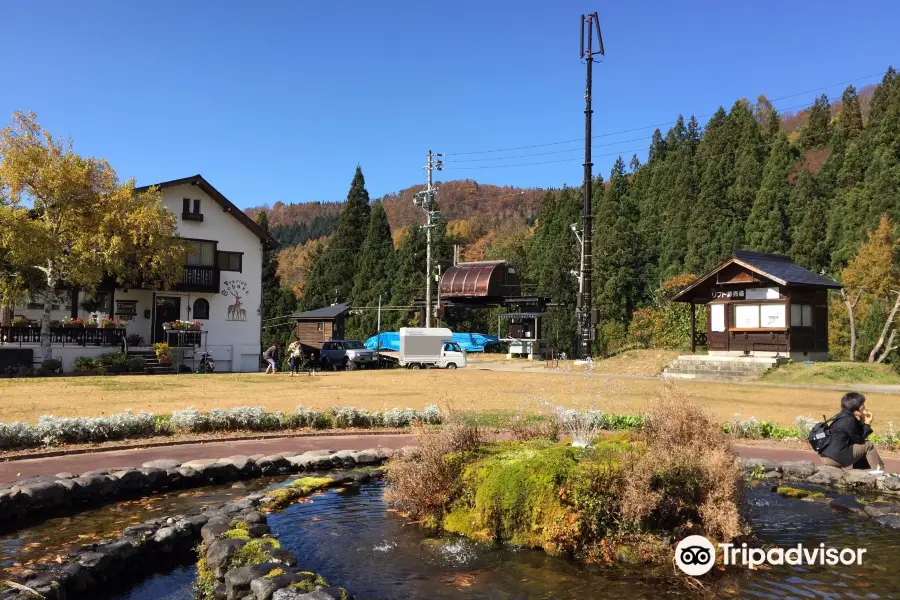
{"x": 79, "y": 463}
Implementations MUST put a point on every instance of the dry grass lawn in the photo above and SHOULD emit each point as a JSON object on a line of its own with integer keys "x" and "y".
{"x": 464, "y": 389}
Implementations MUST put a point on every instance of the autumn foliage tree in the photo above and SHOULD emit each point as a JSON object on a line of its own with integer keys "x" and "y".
{"x": 71, "y": 219}
{"x": 873, "y": 277}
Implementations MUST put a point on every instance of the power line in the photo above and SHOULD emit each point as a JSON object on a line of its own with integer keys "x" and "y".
{"x": 656, "y": 125}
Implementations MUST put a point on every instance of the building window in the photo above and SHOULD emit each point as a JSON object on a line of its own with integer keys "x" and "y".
{"x": 201, "y": 254}
{"x": 186, "y": 206}
{"x": 759, "y": 316}
{"x": 320, "y": 326}
{"x": 231, "y": 261}
{"x": 801, "y": 315}
{"x": 201, "y": 309}
{"x": 196, "y": 206}
{"x": 189, "y": 214}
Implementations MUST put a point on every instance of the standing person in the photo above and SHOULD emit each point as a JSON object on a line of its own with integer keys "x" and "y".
{"x": 295, "y": 356}
{"x": 849, "y": 430}
{"x": 271, "y": 356}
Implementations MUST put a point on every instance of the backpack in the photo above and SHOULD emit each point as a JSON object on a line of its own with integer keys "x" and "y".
{"x": 820, "y": 434}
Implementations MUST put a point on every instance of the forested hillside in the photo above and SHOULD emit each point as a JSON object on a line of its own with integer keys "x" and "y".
{"x": 744, "y": 179}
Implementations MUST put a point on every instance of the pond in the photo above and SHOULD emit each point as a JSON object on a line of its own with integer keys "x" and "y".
{"x": 352, "y": 540}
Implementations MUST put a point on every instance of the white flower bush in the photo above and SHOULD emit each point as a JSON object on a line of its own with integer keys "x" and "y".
{"x": 189, "y": 420}
{"x": 804, "y": 425}
{"x": 18, "y": 435}
{"x": 82, "y": 430}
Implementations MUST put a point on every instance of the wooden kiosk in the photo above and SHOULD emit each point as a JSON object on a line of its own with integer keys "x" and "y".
{"x": 761, "y": 305}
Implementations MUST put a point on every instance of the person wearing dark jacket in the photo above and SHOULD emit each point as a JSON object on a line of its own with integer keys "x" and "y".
{"x": 271, "y": 356}
{"x": 849, "y": 431}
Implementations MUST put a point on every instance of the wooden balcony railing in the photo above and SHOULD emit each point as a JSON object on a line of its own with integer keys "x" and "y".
{"x": 73, "y": 336}
{"x": 200, "y": 279}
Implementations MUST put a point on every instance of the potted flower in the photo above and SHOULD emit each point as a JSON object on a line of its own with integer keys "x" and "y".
{"x": 91, "y": 324}
{"x": 108, "y": 323}
{"x": 163, "y": 353}
{"x": 19, "y": 322}
{"x": 195, "y": 325}
{"x": 72, "y": 323}
{"x": 167, "y": 326}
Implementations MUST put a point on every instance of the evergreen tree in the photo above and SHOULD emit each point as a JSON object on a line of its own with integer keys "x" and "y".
{"x": 816, "y": 132}
{"x": 675, "y": 191}
{"x": 769, "y": 120}
{"x": 849, "y": 123}
{"x": 340, "y": 258}
{"x": 276, "y": 301}
{"x": 373, "y": 273}
{"x": 808, "y": 221}
{"x": 767, "y": 225}
{"x": 617, "y": 250}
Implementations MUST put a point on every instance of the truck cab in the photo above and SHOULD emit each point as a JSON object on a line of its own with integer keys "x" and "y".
{"x": 452, "y": 355}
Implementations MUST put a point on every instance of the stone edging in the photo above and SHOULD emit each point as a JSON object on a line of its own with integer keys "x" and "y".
{"x": 216, "y": 440}
{"x": 35, "y": 496}
{"x": 885, "y": 513}
{"x": 101, "y": 565}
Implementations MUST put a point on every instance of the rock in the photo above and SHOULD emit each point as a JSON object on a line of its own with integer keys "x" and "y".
{"x": 295, "y": 594}
{"x": 220, "y": 472}
{"x": 889, "y": 483}
{"x": 94, "y": 562}
{"x": 131, "y": 480}
{"x": 139, "y": 531}
{"x": 284, "y": 557}
{"x": 244, "y": 504}
{"x": 827, "y": 476}
{"x": 255, "y": 517}
{"x": 347, "y": 457}
{"x": 94, "y": 486}
{"x": 880, "y": 509}
{"x": 199, "y": 464}
{"x": 120, "y": 550}
{"x": 798, "y": 468}
{"x": 891, "y": 521}
{"x": 70, "y": 485}
{"x": 845, "y": 508}
{"x": 859, "y": 478}
{"x": 218, "y": 554}
{"x": 751, "y": 464}
{"x": 264, "y": 588}
{"x": 366, "y": 457}
{"x": 48, "y": 586}
{"x": 257, "y": 530}
{"x": 65, "y": 475}
{"x": 274, "y": 464}
{"x": 289, "y": 454}
{"x": 256, "y": 457}
{"x": 44, "y": 495}
{"x": 156, "y": 477}
{"x": 245, "y": 465}
{"x": 409, "y": 451}
{"x": 214, "y": 528}
{"x": 198, "y": 521}
{"x": 237, "y": 581}
{"x": 383, "y": 453}
{"x": 774, "y": 474}
{"x": 301, "y": 462}
{"x": 165, "y": 536}
{"x": 77, "y": 577}
{"x": 163, "y": 463}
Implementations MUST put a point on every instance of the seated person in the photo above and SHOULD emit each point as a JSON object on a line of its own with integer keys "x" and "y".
{"x": 849, "y": 431}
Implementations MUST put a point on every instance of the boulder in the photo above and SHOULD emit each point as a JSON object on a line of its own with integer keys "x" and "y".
{"x": 751, "y": 464}
{"x": 257, "y": 530}
{"x": 880, "y": 509}
{"x": 798, "y": 468}
{"x": 218, "y": 554}
{"x": 245, "y": 465}
{"x": 156, "y": 477}
{"x": 284, "y": 557}
{"x": 846, "y": 508}
{"x": 214, "y": 528}
{"x": 301, "y": 462}
{"x": 237, "y": 581}
{"x": 383, "y": 453}
{"x": 859, "y": 478}
{"x": 190, "y": 477}
{"x": 92, "y": 487}
{"x": 220, "y": 472}
{"x": 121, "y": 550}
{"x": 77, "y": 577}
{"x": 131, "y": 480}
{"x": 199, "y": 464}
{"x": 889, "y": 483}
{"x": 263, "y": 588}
{"x": 827, "y": 476}
{"x": 347, "y": 457}
{"x": 367, "y": 457}
{"x": 255, "y": 517}
{"x": 165, "y": 536}
{"x": 295, "y": 594}
{"x": 163, "y": 463}
{"x": 65, "y": 475}
{"x": 890, "y": 521}
{"x": 43, "y": 495}
{"x": 94, "y": 562}
{"x": 274, "y": 464}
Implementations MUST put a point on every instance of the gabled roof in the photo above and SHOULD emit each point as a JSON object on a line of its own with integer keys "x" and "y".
{"x": 224, "y": 202}
{"x": 778, "y": 268}
{"x": 329, "y": 312}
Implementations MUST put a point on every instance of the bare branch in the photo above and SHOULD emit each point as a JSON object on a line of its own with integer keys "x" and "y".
{"x": 888, "y": 324}
{"x": 891, "y": 346}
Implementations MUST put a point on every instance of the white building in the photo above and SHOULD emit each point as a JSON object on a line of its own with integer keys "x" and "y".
{"x": 221, "y": 285}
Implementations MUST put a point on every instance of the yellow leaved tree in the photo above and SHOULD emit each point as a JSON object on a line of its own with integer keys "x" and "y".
{"x": 69, "y": 219}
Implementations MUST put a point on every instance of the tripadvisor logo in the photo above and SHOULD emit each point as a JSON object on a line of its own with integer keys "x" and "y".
{"x": 696, "y": 555}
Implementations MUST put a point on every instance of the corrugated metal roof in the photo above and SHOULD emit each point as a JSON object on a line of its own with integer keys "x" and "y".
{"x": 782, "y": 269}
{"x": 329, "y": 312}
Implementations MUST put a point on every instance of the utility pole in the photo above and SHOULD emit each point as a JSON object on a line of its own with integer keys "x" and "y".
{"x": 425, "y": 200}
{"x": 584, "y": 314}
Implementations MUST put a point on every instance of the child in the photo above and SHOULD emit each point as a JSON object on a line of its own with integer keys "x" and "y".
{"x": 295, "y": 356}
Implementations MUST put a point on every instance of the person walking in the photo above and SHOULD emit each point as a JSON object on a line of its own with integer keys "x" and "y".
{"x": 271, "y": 356}
{"x": 849, "y": 430}
{"x": 295, "y": 356}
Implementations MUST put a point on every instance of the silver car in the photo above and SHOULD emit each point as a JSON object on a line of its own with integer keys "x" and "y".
{"x": 347, "y": 354}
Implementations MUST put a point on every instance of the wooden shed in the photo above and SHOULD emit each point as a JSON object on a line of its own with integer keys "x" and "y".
{"x": 761, "y": 305}
{"x": 321, "y": 325}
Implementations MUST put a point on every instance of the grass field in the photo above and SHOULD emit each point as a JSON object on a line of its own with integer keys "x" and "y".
{"x": 831, "y": 373}
{"x": 464, "y": 390}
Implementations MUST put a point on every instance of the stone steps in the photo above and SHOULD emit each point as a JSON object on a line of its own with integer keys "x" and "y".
{"x": 723, "y": 368}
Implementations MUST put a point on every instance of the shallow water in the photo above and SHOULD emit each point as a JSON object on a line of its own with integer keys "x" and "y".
{"x": 354, "y": 542}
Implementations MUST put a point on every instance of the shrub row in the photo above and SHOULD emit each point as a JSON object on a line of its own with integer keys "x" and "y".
{"x": 111, "y": 362}
{"x": 52, "y": 431}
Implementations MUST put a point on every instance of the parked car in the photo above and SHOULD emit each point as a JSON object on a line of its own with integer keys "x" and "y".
{"x": 347, "y": 354}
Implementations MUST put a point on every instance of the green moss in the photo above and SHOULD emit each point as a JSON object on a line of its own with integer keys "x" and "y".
{"x": 205, "y": 583}
{"x": 283, "y": 497}
{"x": 274, "y": 573}
{"x": 306, "y": 586}
{"x": 254, "y": 552}
{"x": 236, "y": 534}
{"x": 308, "y": 485}
{"x": 240, "y": 525}
{"x": 790, "y": 492}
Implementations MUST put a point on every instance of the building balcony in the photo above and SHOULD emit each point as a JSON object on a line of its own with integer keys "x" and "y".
{"x": 199, "y": 279}
{"x": 190, "y": 216}
{"x": 64, "y": 336}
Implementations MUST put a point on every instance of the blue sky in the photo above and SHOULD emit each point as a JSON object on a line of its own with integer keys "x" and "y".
{"x": 280, "y": 100}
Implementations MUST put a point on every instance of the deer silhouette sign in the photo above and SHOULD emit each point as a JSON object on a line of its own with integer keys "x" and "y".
{"x": 236, "y": 312}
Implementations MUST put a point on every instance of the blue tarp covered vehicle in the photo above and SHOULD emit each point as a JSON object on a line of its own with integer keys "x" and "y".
{"x": 470, "y": 342}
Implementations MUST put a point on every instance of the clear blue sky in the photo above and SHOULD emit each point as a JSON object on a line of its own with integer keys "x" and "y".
{"x": 280, "y": 100}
